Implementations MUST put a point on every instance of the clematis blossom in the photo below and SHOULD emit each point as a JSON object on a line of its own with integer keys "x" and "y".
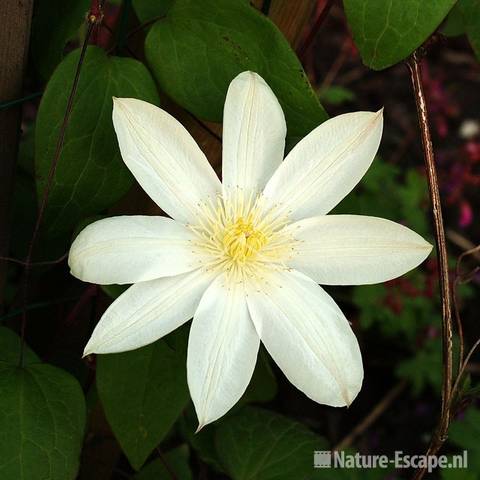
{"x": 244, "y": 257}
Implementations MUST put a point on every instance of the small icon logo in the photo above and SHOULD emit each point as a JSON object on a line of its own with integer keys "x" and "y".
{"x": 322, "y": 459}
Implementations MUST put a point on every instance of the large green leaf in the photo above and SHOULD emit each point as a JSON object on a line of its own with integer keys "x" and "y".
{"x": 256, "y": 444}
{"x": 201, "y": 46}
{"x": 388, "y": 31}
{"x": 10, "y": 348}
{"x": 90, "y": 175}
{"x": 148, "y": 10}
{"x": 177, "y": 462}
{"x": 42, "y": 419}
{"x": 143, "y": 393}
{"x": 203, "y": 442}
{"x": 54, "y": 23}
{"x": 263, "y": 385}
{"x": 465, "y": 433}
{"x": 457, "y": 473}
{"x": 470, "y": 10}
{"x": 464, "y": 18}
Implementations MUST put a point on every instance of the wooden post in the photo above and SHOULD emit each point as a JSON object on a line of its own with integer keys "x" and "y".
{"x": 15, "y": 19}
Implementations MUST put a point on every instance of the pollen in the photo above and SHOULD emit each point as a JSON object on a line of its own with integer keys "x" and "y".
{"x": 242, "y": 241}
{"x": 237, "y": 233}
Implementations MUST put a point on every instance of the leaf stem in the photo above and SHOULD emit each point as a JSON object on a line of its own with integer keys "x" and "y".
{"x": 34, "y": 264}
{"x": 93, "y": 18}
{"x": 19, "y": 101}
{"x": 168, "y": 468}
{"x": 439, "y": 437}
{"x": 373, "y": 416}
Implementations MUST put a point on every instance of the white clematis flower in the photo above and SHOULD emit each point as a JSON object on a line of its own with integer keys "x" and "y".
{"x": 245, "y": 258}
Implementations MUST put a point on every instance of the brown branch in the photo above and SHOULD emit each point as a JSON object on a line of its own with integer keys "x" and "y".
{"x": 463, "y": 368}
{"x": 458, "y": 320}
{"x": 15, "y": 18}
{"x": 459, "y": 279}
{"x": 462, "y": 242}
{"x": 312, "y": 34}
{"x": 373, "y": 416}
{"x": 93, "y": 18}
{"x": 439, "y": 436}
{"x": 168, "y": 468}
{"x": 336, "y": 65}
{"x": 34, "y": 264}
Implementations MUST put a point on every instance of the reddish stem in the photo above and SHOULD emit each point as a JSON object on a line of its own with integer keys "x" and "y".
{"x": 93, "y": 18}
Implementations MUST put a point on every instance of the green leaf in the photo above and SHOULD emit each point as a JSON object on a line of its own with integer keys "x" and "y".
{"x": 336, "y": 95}
{"x": 388, "y": 31}
{"x": 453, "y": 25}
{"x": 147, "y": 10}
{"x": 464, "y": 433}
{"x": 471, "y": 19}
{"x": 90, "y": 175}
{"x": 143, "y": 393}
{"x": 42, "y": 419}
{"x": 424, "y": 368}
{"x": 10, "y": 348}
{"x": 199, "y": 47}
{"x": 114, "y": 291}
{"x": 256, "y": 444}
{"x": 177, "y": 461}
{"x": 202, "y": 442}
{"x": 263, "y": 385}
{"x": 55, "y": 22}
{"x": 458, "y": 474}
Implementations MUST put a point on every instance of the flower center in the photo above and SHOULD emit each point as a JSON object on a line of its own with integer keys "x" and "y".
{"x": 242, "y": 241}
{"x": 237, "y": 234}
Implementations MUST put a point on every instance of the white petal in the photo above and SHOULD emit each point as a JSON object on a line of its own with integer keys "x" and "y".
{"x": 308, "y": 337}
{"x": 254, "y": 132}
{"x": 326, "y": 165}
{"x": 164, "y": 158}
{"x": 222, "y": 350}
{"x": 132, "y": 249}
{"x": 147, "y": 311}
{"x": 354, "y": 249}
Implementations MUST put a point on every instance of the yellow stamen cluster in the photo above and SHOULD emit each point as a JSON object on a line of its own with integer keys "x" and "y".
{"x": 241, "y": 240}
{"x": 238, "y": 234}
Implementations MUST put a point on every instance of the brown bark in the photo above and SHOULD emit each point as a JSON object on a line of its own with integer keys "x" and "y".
{"x": 292, "y": 17}
{"x": 15, "y": 18}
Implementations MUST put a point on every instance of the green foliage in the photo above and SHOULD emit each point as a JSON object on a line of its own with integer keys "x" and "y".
{"x": 143, "y": 392}
{"x": 177, "y": 461}
{"x": 257, "y": 444}
{"x": 386, "y": 32}
{"x": 400, "y": 196}
{"x": 464, "y": 18}
{"x": 402, "y": 310}
{"x": 148, "y": 10}
{"x": 202, "y": 442}
{"x": 424, "y": 368}
{"x": 42, "y": 417}
{"x": 263, "y": 385}
{"x": 10, "y": 345}
{"x": 114, "y": 291}
{"x": 213, "y": 41}
{"x": 464, "y": 433}
{"x": 194, "y": 49}
{"x": 48, "y": 43}
{"x": 458, "y": 474}
{"x": 453, "y": 25}
{"x": 90, "y": 175}
{"x": 336, "y": 95}
{"x": 470, "y": 10}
